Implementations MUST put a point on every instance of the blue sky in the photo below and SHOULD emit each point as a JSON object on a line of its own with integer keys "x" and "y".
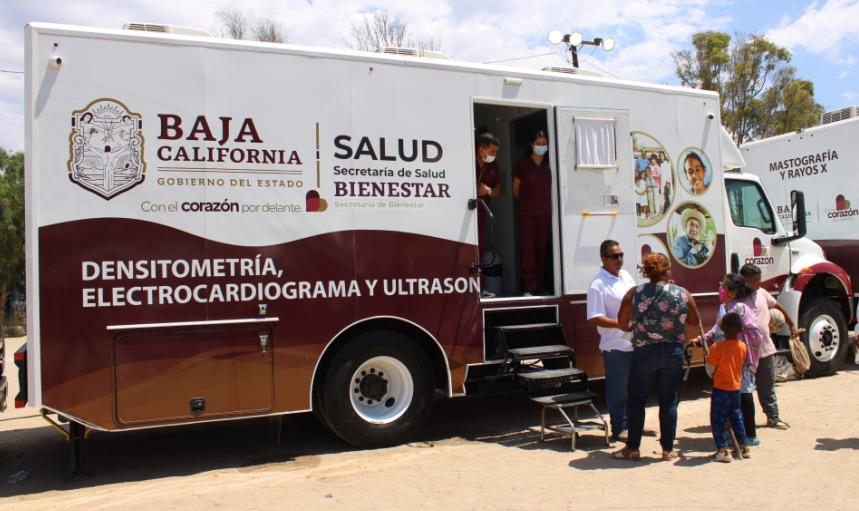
{"x": 823, "y": 35}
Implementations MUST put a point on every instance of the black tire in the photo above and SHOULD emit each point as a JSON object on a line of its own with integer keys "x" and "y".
{"x": 825, "y": 336}
{"x": 334, "y": 395}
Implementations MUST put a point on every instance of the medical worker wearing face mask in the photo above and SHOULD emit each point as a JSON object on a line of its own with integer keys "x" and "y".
{"x": 488, "y": 183}
{"x": 532, "y": 185}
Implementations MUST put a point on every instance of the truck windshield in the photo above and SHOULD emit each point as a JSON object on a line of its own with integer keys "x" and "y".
{"x": 749, "y": 206}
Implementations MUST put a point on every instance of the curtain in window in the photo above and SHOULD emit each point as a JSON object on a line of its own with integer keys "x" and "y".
{"x": 595, "y": 143}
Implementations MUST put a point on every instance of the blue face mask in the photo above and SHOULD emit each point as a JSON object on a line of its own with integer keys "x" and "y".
{"x": 540, "y": 150}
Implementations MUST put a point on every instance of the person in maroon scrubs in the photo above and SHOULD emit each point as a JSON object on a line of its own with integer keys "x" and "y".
{"x": 532, "y": 185}
{"x": 488, "y": 184}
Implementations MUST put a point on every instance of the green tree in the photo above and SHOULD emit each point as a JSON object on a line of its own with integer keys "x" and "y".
{"x": 754, "y": 60}
{"x": 759, "y": 92}
{"x": 11, "y": 226}
{"x": 705, "y": 68}
{"x": 789, "y": 104}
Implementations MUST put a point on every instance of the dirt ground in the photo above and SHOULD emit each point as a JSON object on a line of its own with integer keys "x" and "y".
{"x": 476, "y": 453}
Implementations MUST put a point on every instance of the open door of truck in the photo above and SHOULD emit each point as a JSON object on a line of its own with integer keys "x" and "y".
{"x": 597, "y": 200}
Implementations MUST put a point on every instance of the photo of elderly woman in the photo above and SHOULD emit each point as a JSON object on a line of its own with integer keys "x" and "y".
{"x": 691, "y": 235}
{"x": 696, "y": 171}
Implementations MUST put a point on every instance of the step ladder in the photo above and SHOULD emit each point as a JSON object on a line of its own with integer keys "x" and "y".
{"x": 540, "y": 359}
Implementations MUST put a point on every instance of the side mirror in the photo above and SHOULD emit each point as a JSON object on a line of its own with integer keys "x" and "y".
{"x": 797, "y": 211}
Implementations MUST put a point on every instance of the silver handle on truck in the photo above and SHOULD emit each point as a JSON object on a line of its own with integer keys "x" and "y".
{"x": 214, "y": 322}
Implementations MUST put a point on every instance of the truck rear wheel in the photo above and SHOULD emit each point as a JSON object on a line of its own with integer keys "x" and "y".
{"x": 825, "y": 336}
{"x": 378, "y": 390}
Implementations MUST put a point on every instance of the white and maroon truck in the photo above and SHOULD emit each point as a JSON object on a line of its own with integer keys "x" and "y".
{"x": 222, "y": 229}
{"x": 822, "y": 162}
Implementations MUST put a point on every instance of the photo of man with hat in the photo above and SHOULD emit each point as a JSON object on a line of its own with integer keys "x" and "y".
{"x": 691, "y": 249}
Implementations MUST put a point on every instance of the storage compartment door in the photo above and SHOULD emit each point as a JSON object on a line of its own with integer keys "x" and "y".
{"x": 174, "y": 375}
{"x": 597, "y": 197}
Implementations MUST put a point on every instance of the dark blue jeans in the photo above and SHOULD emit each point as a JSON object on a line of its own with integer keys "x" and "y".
{"x": 655, "y": 366}
{"x": 725, "y": 406}
{"x": 617, "y": 365}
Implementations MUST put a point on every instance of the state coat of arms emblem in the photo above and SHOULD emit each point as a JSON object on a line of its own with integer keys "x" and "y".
{"x": 106, "y": 148}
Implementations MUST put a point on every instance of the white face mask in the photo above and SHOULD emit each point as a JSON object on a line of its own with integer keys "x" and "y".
{"x": 540, "y": 150}
{"x": 488, "y": 158}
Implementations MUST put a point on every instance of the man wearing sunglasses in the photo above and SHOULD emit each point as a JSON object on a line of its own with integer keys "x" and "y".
{"x": 604, "y": 296}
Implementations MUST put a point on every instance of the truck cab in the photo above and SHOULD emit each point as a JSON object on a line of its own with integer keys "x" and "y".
{"x": 816, "y": 292}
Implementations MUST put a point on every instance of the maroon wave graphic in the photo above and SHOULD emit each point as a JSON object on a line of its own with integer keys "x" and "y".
{"x": 78, "y": 352}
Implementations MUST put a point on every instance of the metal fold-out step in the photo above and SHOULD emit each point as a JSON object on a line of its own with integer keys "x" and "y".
{"x": 527, "y": 327}
{"x": 541, "y": 376}
{"x": 539, "y": 352}
{"x": 569, "y": 398}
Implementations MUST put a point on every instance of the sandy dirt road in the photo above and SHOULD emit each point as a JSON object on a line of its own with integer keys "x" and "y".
{"x": 476, "y": 453}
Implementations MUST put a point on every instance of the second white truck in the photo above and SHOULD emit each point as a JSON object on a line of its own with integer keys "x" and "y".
{"x": 822, "y": 163}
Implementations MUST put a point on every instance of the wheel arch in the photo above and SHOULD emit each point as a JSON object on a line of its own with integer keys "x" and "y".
{"x": 439, "y": 362}
{"x": 825, "y": 280}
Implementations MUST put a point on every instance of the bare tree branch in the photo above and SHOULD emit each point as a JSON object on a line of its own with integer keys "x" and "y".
{"x": 269, "y": 31}
{"x": 234, "y": 24}
{"x": 379, "y": 30}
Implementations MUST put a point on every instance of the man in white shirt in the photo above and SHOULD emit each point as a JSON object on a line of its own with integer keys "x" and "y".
{"x": 604, "y": 296}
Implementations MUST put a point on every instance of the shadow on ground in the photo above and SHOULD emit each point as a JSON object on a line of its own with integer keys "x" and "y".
{"x": 835, "y": 444}
{"x": 247, "y": 445}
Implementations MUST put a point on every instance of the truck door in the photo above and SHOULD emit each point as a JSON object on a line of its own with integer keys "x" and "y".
{"x": 597, "y": 201}
{"x": 754, "y": 227}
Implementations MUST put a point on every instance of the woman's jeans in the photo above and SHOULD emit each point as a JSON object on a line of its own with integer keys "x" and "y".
{"x": 655, "y": 366}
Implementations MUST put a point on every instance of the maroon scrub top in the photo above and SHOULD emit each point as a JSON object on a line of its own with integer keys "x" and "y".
{"x": 491, "y": 177}
{"x": 535, "y": 189}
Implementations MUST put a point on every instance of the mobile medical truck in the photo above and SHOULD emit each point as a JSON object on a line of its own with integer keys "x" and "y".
{"x": 822, "y": 162}
{"x": 223, "y": 229}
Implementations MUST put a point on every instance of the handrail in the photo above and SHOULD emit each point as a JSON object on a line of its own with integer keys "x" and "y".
{"x": 601, "y": 213}
{"x": 214, "y": 322}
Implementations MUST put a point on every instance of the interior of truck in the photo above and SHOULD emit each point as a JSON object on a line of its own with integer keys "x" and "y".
{"x": 514, "y": 127}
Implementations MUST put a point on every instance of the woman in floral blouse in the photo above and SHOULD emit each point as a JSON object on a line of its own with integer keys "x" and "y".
{"x": 656, "y": 313}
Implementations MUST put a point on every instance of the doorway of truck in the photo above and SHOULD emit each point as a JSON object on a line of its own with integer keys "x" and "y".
{"x": 514, "y": 126}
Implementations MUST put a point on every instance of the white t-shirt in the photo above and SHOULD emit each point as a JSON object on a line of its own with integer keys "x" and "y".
{"x": 604, "y": 296}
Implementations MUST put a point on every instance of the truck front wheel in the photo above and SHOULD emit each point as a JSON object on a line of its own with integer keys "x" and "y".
{"x": 825, "y": 336}
{"x": 378, "y": 390}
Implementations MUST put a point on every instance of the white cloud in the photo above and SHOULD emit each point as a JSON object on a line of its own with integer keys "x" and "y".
{"x": 848, "y": 60}
{"x": 12, "y": 111}
{"x": 647, "y": 31}
{"x": 851, "y": 96}
{"x": 822, "y": 29}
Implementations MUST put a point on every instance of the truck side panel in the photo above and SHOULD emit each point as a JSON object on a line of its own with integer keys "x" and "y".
{"x": 208, "y": 187}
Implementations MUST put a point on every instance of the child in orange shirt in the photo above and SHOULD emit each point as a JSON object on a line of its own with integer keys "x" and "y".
{"x": 725, "y": 365}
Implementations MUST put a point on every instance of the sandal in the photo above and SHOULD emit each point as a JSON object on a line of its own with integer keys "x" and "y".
{"x": 626, "y": 454}
{"x": 777, "y": 424}
{"x": 669, "y": 455}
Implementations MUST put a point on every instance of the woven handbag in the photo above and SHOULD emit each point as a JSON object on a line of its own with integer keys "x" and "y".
{"x": 799, "y": 354}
